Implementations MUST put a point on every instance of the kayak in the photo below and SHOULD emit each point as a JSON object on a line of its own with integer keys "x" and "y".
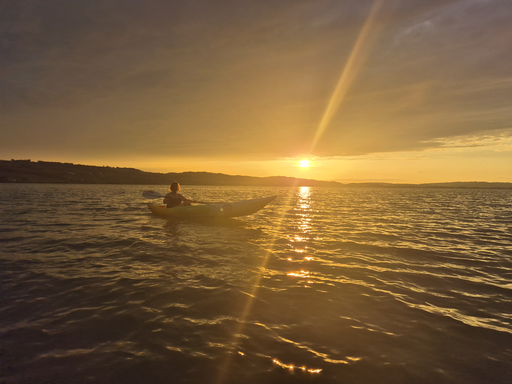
{"x": 235, "y": 209}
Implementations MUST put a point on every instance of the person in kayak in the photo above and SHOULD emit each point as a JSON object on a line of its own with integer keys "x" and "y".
{"x": 173, "y": 198}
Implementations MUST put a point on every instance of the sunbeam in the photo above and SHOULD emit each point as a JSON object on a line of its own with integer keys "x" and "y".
{"x": 224, "y": 367}
{"x": 349, "y": 73}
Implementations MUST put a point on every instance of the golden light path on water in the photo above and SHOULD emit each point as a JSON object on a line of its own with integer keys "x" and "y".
{"x": 349, "y": 73}
{"x": 303, "y": 224}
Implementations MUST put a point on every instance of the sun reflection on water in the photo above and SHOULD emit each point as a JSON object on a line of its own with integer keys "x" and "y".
{"x": 298, "y": 238}
{"x": 299, "y": 274}
{"x": 292, "y": 367}
{"x": 303, "y": 224}
{"x": 304, "y": 203}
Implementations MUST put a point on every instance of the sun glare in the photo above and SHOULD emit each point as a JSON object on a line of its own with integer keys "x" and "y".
{"x": 304, "y": 163}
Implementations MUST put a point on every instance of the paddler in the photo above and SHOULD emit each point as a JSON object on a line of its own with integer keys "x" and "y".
{"x": 173, "y": 198}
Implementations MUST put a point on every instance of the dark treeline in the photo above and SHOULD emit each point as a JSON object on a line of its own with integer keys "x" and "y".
{"x": 27, "y": 171}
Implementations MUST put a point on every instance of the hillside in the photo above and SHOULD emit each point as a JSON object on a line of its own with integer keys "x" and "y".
{"x": 27, "y": 171}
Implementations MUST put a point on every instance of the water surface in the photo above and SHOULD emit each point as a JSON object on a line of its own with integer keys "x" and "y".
{"x": 325, "y": 285}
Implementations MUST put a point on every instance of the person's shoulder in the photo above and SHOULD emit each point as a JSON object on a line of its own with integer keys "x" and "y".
{"x": 168, "y": 195}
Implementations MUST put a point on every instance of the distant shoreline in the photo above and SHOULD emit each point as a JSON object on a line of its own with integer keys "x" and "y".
{"x": 27, "y": 171}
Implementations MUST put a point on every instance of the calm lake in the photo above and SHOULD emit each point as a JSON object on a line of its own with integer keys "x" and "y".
{"x": 324, "y": 285}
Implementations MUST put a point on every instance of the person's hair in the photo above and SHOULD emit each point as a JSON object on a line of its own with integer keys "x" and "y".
{"x": 175, "y": 187}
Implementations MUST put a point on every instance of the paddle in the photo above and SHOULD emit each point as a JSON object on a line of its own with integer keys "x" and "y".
{"x": 156, "y": 195}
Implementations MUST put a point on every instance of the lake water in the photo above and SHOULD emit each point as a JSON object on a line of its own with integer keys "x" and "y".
{"x": 324, "y": 285}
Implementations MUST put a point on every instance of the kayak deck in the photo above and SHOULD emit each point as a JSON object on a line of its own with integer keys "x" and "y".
{"x": 235, "y": 209}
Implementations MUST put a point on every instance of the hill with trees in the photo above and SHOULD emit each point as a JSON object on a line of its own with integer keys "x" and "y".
{"x": 27, "y": 171}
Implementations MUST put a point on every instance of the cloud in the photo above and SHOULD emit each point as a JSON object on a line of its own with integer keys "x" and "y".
{"x": 247, "y": 79}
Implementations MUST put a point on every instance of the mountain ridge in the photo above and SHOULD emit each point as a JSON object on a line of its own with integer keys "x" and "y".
{"x": 27, "y": 171}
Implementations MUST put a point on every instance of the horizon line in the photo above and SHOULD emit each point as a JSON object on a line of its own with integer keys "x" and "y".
{"x": 263, "y": 177}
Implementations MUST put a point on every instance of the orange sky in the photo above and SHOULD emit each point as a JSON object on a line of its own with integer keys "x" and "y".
{"x": 395, "y": 91}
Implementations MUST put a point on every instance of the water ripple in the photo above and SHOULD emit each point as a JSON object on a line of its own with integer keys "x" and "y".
{"x": 325, "y": 285}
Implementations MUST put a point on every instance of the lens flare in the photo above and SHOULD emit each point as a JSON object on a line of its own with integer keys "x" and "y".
{"x": 350, "y": 71}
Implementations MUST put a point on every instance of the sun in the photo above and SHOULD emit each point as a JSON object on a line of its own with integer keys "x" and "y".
{"x": 304, "y": 163}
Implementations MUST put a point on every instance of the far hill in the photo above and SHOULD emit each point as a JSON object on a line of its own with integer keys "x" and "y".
{"x": 27, "y": 171}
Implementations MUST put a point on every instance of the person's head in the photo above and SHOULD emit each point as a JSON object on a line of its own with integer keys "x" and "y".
{"x": 175, "y": 187}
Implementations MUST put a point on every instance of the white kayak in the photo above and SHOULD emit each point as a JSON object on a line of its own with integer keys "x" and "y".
{"x": 235, "y": 209}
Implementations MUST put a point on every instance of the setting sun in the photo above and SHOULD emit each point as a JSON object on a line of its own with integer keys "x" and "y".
{"x": 304, "y": 163}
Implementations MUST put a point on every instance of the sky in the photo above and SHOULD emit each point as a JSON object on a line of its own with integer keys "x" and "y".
{"x": 386, "y": 91}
